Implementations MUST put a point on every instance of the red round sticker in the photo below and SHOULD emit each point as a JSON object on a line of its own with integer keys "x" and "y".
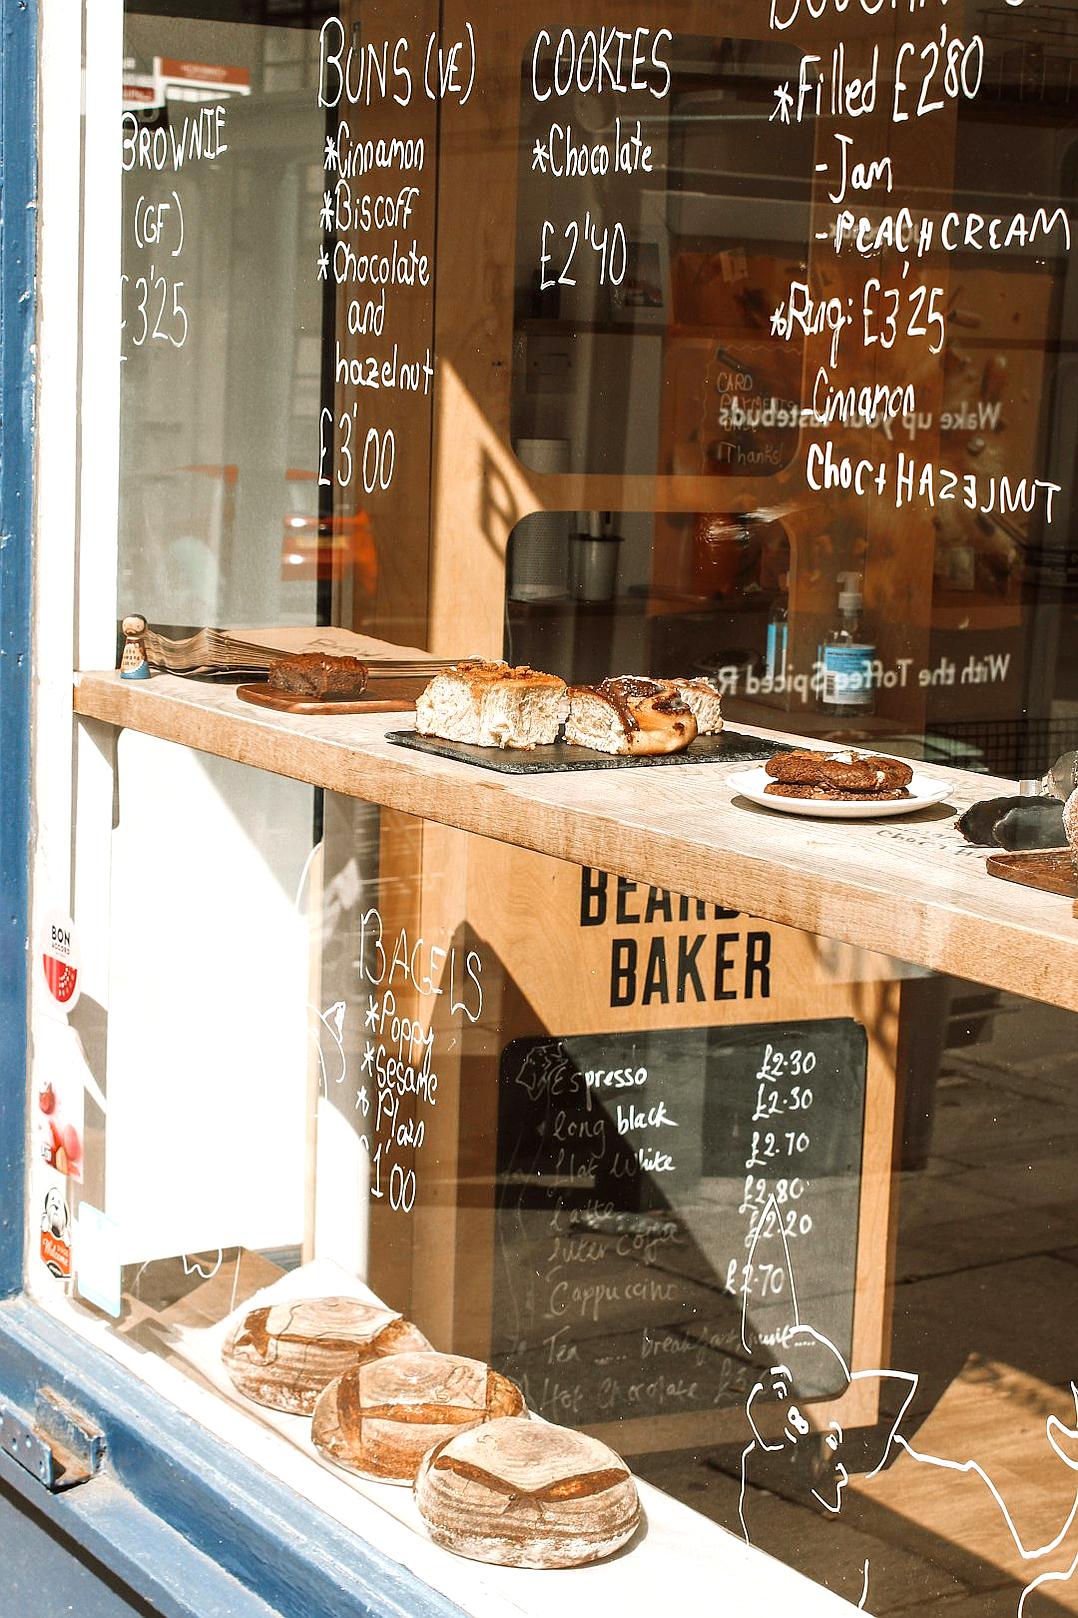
{"x": 60, "y": 958}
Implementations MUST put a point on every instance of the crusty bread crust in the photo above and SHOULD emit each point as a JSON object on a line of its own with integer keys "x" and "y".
{"x": 527, "y": 1494}
{"x": 480, "y": 673}
{"x": 380, "y": 1419}
{"x": 284, "y": 1354}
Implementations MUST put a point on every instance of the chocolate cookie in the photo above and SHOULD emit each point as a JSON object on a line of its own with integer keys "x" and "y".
{"x": 789, "y": 789}
{"x": 845, "y": 771}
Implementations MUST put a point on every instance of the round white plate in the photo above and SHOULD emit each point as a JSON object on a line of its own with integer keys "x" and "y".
{"x": 924, "y": 790}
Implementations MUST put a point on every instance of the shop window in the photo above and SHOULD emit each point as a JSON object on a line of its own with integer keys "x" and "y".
{"x": 730, "y": 344}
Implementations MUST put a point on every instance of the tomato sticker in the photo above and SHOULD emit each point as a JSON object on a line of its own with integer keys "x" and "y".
{"x": 60, "y": 959}
{"x": 58, "y": 1097}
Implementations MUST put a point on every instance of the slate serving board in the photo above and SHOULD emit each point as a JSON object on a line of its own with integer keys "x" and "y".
{"x": 728, "y": 747}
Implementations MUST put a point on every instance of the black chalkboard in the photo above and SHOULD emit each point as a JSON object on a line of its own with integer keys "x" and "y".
{"x": 655, "y": 1190}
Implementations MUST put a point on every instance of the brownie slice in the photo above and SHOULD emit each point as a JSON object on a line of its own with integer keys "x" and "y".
{"x": 318, "y": 678}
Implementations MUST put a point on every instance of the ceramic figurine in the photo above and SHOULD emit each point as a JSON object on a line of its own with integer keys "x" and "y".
{"x": 134, "y": 664}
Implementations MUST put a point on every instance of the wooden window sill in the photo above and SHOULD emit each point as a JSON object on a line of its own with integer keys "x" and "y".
{"x": 910, "y": 887}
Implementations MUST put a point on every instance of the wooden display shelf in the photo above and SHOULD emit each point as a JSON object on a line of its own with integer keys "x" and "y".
{"x": 910, "y": 887}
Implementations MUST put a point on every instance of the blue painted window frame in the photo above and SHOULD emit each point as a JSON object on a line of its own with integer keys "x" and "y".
{"x": 17, "y": 259}
{"x": 182, "y": 1521}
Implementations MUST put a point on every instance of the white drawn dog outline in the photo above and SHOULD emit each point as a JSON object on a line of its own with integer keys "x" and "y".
{"x": 1054, "y": 1427}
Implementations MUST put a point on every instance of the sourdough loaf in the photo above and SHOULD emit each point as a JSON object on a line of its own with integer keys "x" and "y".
{"x": 283, "y": 1355}
{"x": 381, "y": 1418}
{"x": 527, "y": 1494}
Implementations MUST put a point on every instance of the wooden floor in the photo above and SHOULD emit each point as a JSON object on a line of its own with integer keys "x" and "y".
{"x": 986, "y": 1312}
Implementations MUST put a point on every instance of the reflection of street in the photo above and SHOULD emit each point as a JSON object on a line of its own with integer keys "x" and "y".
{"x": 984, "y": 1307}
{"x": 896, "y": 1388}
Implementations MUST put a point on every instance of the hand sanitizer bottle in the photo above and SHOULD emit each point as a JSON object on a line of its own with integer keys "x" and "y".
{"x": 846, "y": 659}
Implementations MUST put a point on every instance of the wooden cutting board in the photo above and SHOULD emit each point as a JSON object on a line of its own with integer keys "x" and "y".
{"x": 1049, "y": 869}
{"x": 380, "y": 696}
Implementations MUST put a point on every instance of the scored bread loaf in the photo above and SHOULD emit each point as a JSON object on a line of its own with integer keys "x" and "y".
{"x": 380, "y": 1419}
{"x": 284, "y": 1354}
{"x": 492, "y": 705}
{"x": 629, "y": 714}
{"x": 527, "y": 1494}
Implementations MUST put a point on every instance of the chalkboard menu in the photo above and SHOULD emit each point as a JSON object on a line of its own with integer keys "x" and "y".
{"x": 669, "y": 1202}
